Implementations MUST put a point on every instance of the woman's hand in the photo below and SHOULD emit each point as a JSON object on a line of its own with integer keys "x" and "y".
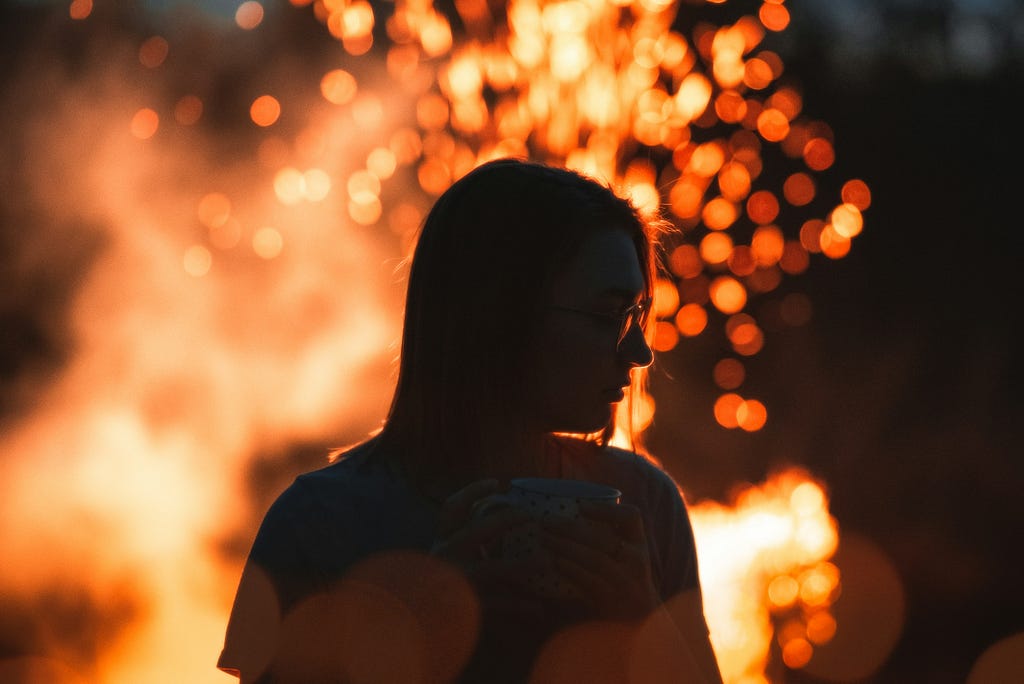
{"x": 604, "y": 554}
{"x": 473, "y": 543}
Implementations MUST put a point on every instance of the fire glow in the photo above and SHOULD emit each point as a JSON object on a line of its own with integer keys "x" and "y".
{"x": 242, "y": 308}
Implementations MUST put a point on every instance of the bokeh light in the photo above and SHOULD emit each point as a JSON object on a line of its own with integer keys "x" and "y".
{"x": 273, "y": 172}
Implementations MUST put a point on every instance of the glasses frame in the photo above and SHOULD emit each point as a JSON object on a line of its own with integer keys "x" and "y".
{"x": 636, "y": 314}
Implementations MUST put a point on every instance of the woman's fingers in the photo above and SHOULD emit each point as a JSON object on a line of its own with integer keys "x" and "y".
{"x": 597, "y": 554}
{"x": 600, "y": 554}
{"x": 605, "y": 532}
{"x": 625, "y": 519}
{"x": 486, "y": 530}
{"x": 457, "y": 508}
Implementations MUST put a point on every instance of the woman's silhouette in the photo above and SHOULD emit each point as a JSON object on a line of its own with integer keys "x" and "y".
{"x": 525, "y": 318}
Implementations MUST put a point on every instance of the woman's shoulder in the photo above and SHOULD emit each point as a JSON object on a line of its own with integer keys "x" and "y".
{"x": 637, "y": 468}
{"x": 332, "y": 485}
{"x": 344, "y": 465}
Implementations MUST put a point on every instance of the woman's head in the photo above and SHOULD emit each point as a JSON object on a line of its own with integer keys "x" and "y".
{"x": 504, "y": 258}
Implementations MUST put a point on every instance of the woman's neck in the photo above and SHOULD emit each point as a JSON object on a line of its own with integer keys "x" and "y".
{"x": 503, "y": 457}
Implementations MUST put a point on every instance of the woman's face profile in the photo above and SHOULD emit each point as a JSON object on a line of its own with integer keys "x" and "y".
{"x": 581, "y": 366}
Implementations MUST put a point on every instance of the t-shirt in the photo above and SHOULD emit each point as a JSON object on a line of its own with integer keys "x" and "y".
{"x": 331, "y": 519}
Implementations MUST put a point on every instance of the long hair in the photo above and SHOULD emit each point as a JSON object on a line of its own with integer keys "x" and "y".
{"x": 483, "y": 266}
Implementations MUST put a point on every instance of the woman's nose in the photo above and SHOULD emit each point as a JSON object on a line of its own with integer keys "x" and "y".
{"x": 634, "y": 350}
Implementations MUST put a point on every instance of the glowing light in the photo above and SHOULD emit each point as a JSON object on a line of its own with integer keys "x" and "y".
{"x": 775, "y": 17}
{"x": 707, "y": 159}
{"x": 764, "y": 279}
{"x": 796, "y": 653}
{"x": 80, "y": 9}
{"x": 693, "y": 96}
{"x": 767, "y": 245}
{"x": 145, "y": 123}
{"x": 783, "y": 591}
{"x": 741, "y": 261}
{"x": 249, "y": 15}
{"x": 666, "y": 298}
{"x": 821, "y": 627}
{"x": 788, "y": 101}
{"x": 799, "y": 189}
{"x": 666, "y": 336}
{"x": 434, "y": 176}
{"x": 363, "y": 187}
{"x": 730, "y": 106}
{"x": 729, "y": 374}
{"x": 267, "y": 243}
{"x": 153, "y": 52}
{"x": 265, "y": 110}
{"x": 316, "y": 184}
{"x": 685, "y": 261}
{"x": 691, "y": 319}
{"x": 436, "y": 35}
{"x": 762, "y": 207}
{"x": 686, "y": 197}
{"x": 734, "y": 181}
{"x": 751, "y": 415}
{"x": 719, "y": 214}
{"x": 751, "y": 565}
{"x": 381, "y": 162}
{"x": 746, "y": 338}
{"x": 810, "y": 235}
{"x": 833, "y": 244}
{"x": 772, "y": 125}
{"x": 846, "y": 220}
{"x": 716, "y": 248}
{"x": 695, "y": 290}
{"x": 197, "y": 261}
{"x": 289, "y": 185}
{"x": 728, "y": 294}
{"x": 357, "y": 20}
{"x": 188, "y": 110}
{"x": 1001, "y": 662}
{"x": 365, "y": 213}
{"x": 818, "y": 154}
{"x": 214, "y": 209}
{"x": 795, "y": 259}
{"x": 857, "y": 193}
{"x": 726, "y": 407}
{"x": 338, "y": 86}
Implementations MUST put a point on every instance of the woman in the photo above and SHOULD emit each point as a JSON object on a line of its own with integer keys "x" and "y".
{"x": 528, "y": 296}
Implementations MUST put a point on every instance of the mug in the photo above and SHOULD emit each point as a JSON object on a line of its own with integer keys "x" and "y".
{"x": 543, "y": 497}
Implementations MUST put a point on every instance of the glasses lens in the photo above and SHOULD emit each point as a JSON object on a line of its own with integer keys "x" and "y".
{"x": 630, "y": 316}
{"x": 634, "y": 315}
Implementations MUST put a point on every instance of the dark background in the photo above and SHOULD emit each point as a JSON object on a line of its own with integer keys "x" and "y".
{"x": 902, "y": 393}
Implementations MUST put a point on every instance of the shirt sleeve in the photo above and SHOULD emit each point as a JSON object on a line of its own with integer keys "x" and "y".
{"x": 680, "y": 579}
{"x": 278, "y": 573}
{"x": 672, "y": 538}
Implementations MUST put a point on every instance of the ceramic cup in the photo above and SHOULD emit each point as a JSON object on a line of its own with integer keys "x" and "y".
{"x": 543, "y": 497}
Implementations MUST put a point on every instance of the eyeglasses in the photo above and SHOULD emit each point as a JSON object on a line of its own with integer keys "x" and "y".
{"x": 636, "y": 314}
